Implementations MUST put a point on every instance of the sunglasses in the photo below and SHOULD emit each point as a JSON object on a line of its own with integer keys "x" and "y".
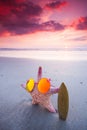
{"x": 43, "y": 85}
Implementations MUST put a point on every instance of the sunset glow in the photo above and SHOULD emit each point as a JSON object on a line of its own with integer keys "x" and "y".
{"x": 43, "y": 24}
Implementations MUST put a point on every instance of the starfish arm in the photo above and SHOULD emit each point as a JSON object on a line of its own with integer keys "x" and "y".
{"x": 39, "y": 75}
{"x": 53, "y": 90}
{"x": 50, "y": 108}
{"x": 34, "y": 102}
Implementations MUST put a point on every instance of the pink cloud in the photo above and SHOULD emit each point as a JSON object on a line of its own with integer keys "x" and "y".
{"x": 4, "y": 10}
{"x": 55, "y": 5}
{"x": 23, "y": 17}
{"x": 80, "y": 24}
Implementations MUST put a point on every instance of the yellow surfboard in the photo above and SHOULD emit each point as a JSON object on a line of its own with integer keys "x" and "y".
{"x": 63, "y": 102}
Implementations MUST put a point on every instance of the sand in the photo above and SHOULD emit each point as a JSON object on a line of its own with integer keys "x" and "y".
{"x": 16, "y": 110}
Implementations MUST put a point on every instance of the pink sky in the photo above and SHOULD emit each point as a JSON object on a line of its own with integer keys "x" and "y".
{"x": 43, "y": 24}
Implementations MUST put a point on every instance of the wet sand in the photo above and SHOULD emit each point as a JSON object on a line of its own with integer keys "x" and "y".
{"x": 16, "y": 110}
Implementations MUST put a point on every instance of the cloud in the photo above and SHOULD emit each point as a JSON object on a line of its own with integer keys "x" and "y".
{"x": 82, "y": 38}
{"x": 52, "y": 26}
{"x": 80, "y": 24}
{"x": 78, "y": 38}
{"x": 20, "y": 8}
{"x": 32, "y": 27}
{"x": 56, "y": 4}
{"x": 21, "y": 17}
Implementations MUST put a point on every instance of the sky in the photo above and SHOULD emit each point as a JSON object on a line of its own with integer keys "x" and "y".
{"x": 43, "y": 24}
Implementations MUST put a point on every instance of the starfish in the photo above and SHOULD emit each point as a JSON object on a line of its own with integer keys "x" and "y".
{"x": 42, "y": 99}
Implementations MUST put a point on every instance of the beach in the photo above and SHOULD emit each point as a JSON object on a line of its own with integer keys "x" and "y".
{"x": 16, "y": 109}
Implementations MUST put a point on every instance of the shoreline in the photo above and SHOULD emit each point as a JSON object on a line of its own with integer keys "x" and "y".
{"x": 47, "y": 55}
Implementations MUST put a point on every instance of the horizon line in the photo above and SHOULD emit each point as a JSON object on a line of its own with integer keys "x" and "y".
{"x": 44, "y": 49}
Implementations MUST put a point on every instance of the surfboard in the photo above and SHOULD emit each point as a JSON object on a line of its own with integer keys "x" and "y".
{"x": 63, "y": 102}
